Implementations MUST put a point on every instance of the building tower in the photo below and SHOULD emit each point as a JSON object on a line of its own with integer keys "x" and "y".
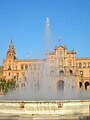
{"x": 8, "y": 63}
{"x": 11, "y": 54}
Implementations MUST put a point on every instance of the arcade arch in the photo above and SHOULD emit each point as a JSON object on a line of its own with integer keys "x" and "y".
{"x": 86, "y": 85}
{"x": 60, "y": 85}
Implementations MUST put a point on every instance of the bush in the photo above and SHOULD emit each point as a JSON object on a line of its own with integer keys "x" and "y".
{"x": 7, "y": 85}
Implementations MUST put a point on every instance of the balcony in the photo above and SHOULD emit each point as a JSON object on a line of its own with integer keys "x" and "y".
{"x": 9, "y": 68}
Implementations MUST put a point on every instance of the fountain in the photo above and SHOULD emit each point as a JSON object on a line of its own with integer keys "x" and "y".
{"x": 36, "y": 96}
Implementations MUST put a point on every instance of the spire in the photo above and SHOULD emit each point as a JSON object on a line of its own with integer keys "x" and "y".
{"x": 11, "y": 39}
{"x": 11, "y": 47}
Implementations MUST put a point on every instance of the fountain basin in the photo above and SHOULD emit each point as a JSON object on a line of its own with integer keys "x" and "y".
{"x": 59, "y": 108}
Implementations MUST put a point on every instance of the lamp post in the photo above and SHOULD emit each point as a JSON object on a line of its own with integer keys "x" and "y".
{"x": 81, "y": 73}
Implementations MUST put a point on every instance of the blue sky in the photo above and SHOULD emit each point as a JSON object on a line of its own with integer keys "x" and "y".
{"x": 25, "y": 21}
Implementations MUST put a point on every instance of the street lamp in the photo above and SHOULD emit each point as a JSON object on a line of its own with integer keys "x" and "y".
{"x": 81, "y": 73}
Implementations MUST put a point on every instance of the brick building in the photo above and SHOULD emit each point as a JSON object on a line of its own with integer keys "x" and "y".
{"x": 62, "y": 64}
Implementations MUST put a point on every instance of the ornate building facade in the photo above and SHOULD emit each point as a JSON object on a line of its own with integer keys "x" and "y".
{"x": 62, "y": 64}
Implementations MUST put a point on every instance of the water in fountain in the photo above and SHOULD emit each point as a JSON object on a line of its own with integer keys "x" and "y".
{"x": 41, "y": 88}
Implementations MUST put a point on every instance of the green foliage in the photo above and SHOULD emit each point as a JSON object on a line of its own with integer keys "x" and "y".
{"x": 5, "y": 86}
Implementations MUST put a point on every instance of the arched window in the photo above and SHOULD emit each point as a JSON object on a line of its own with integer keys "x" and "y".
{"x": 9, "y": 68}
{"x": 22, "y": 66}
{"x": 17, "y": 75}
{"x": 80, "y": 65}
{"x": 60, "y": 85}
{"x": 84, "y": 65}
{"x": 30, "y": 66}
{"x": 89, "y": 64}
{"x": 86, "y": 85}
{"x": 26, "y": 66}
{"x": 61, "y": 72}
{"x": 9, "y": 74}
{"x": 71, "y": 72}
{"x": 80, "y": 84}
{"x": 76, "y": 64}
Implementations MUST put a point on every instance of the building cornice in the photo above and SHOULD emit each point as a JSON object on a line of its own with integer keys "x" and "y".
{"x": 83, "y": 58}
{"x": 29, "y": 60}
